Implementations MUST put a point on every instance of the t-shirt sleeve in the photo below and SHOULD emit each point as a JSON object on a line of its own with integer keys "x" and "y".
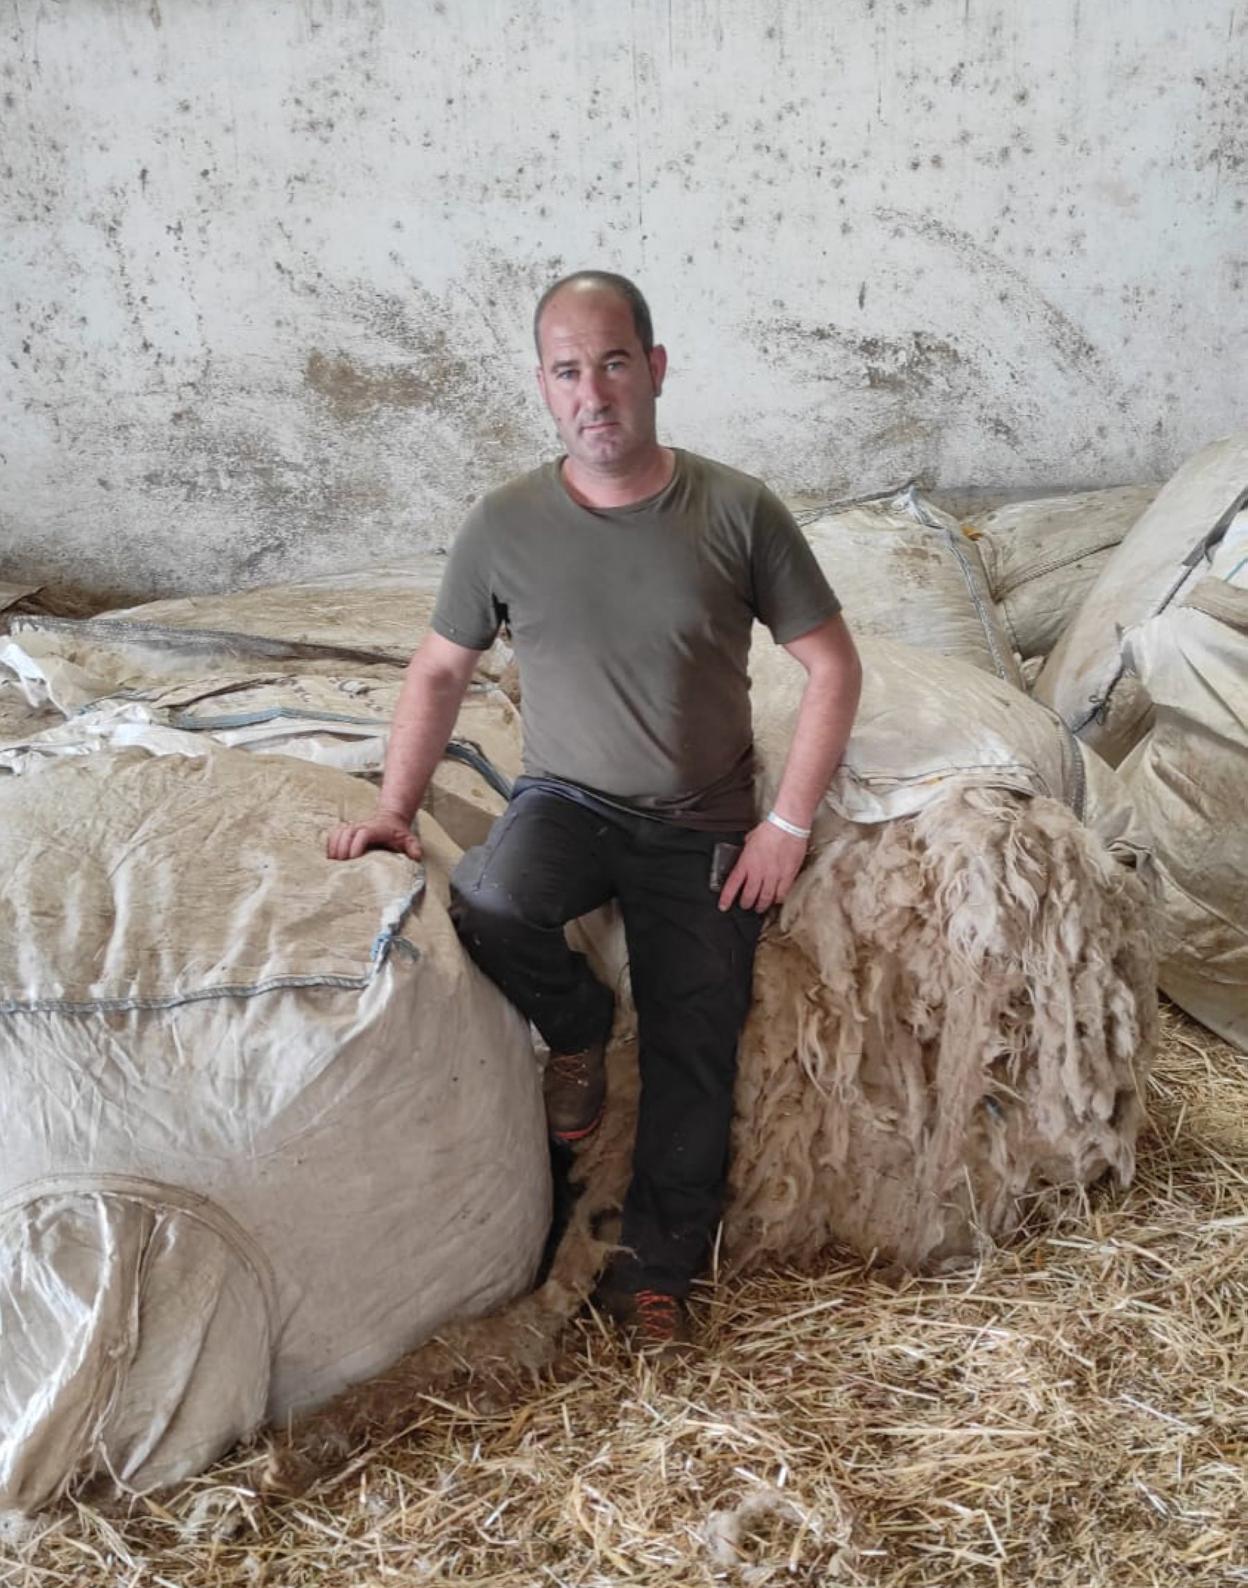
{"x": 791, "y": 593}
{"x": 466, "y": 611}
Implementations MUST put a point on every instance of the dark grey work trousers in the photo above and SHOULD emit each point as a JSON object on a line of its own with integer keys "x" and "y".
{"x": 553, "y": 856}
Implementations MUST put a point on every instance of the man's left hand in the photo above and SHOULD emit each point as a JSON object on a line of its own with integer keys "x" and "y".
{"x": 765, "y": 869}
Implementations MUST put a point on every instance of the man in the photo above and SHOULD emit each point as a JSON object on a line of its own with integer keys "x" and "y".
{"x": 629, "y": 575}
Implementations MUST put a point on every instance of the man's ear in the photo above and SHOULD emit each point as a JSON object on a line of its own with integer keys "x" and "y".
{"x": 541, "y": 384}
{"x": 657, "y": 359}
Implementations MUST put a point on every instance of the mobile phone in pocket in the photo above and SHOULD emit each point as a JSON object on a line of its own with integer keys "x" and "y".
{"x": 723, "y": 858}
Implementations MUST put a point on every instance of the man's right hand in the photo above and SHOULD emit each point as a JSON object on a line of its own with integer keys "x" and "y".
{"x": 349, "y": 840}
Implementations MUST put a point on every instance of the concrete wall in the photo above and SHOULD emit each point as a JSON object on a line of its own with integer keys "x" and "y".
{"x": 268, "y": 268}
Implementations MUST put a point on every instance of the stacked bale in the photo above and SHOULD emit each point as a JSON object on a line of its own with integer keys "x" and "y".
{"x": 263, "y": 1127}
{"x": 904, "y": 572}
{"x": 1042, "y": 557}
{"x": 310, "y": 670}
{"x": 1086, "y": 679}
{"x": 1188, "y": 777}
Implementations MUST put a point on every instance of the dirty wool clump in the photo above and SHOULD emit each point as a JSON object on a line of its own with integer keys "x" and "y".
{"x": 953, "y": 1012}
{"x": 957, "y": 1011}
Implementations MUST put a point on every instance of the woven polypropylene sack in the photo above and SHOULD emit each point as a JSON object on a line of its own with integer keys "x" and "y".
{"x": 1042, "y": 557}
{"x": 1085, "y": 678}
{"x": 927, "y": 724}
{"x": 904, "y": 571}
{"x": 211, "y": 1036}
{"x": 1189, "y": 778}
{"x": 361, "y": 620}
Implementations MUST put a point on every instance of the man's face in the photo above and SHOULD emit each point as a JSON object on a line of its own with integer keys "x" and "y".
{"x": 598, "y": 384}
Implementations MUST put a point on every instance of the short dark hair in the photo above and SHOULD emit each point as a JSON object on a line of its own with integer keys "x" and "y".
{"x": 608, "y": 279}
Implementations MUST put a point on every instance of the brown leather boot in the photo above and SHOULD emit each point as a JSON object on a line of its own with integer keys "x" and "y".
{"x": 575, "y": 1088}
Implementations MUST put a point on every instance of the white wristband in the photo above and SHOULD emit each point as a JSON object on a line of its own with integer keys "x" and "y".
{"x": 787, "y": 827}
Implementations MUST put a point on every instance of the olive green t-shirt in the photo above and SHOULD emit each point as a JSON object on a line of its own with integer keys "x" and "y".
{"x": 631, "y": 627}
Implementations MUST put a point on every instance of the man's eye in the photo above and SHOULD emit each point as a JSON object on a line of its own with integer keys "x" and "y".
{"x": 564, "y": 374}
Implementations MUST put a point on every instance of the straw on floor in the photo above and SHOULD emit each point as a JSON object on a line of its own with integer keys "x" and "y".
{"x": 1072, "y": 1411}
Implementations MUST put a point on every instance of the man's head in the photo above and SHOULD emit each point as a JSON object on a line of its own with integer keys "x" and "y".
{"x": 599, "y": 370}
{"x": 609, "y": 282}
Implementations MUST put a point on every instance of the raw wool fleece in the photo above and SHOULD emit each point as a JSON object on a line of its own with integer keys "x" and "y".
{"x": 1041, "y": 557}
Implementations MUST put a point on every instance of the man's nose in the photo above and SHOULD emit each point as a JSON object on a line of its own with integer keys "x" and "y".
{"x": 593, "y": 389}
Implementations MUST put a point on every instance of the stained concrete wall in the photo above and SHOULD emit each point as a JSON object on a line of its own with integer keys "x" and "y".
{"x": 268, "y": 268}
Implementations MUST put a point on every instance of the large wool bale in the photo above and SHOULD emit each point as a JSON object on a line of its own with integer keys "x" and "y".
{"x": 903, "y": 571}
{"x": 959, "y": 1004}
{"x": 1189, "y": 778}
{"x": 264, "y": 1126}
{"x": 1041, "y": 557}
{"x": 959, "y": 1007}
{"x": 1085, "y": 678}
{"x": 334, "y": 718}
{"x": 363, "y": 620}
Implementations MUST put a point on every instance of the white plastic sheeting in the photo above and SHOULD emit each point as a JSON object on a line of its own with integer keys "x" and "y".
{"x": 903, "y": 571}
{"x": 1189, "y": 778}
{"x": 262, "y": 1125}
{"x": 1085, "y": 678}
{"x": 1041, "y": 557}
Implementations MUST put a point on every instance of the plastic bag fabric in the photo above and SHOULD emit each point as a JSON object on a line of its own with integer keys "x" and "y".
{"x": 1189, "y": 778}
{"x": 1086, "y": 679}
{"x": 1041, "y": 557}
{"x": 903, "y": 571}
{"x": 264, "y": 1125}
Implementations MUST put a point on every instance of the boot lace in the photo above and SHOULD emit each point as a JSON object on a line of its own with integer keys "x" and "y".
{"x": 658, "y": 1314}
{"x": 569, "y": 1068}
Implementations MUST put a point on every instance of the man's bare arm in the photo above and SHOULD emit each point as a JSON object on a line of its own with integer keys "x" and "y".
{"x": 772, "y": 858}
{"x": 433, "y": 687}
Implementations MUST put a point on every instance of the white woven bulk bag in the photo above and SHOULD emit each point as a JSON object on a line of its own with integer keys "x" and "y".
{"x": 1189, "y": 778}
{"x": 365, "y": 620}
{"x": 128, "y": 689}
{"x": 1168, "y": 549}
{"x": 345, "y": 722}
{"x": 903, "y": 571}
{"x": 1042, "y": 557}
{"x": 377, "y": 611}
{"x": 263, "y": 1126}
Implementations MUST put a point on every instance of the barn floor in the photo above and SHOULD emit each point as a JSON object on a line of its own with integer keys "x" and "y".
{"x": 1074, "y": 1411}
